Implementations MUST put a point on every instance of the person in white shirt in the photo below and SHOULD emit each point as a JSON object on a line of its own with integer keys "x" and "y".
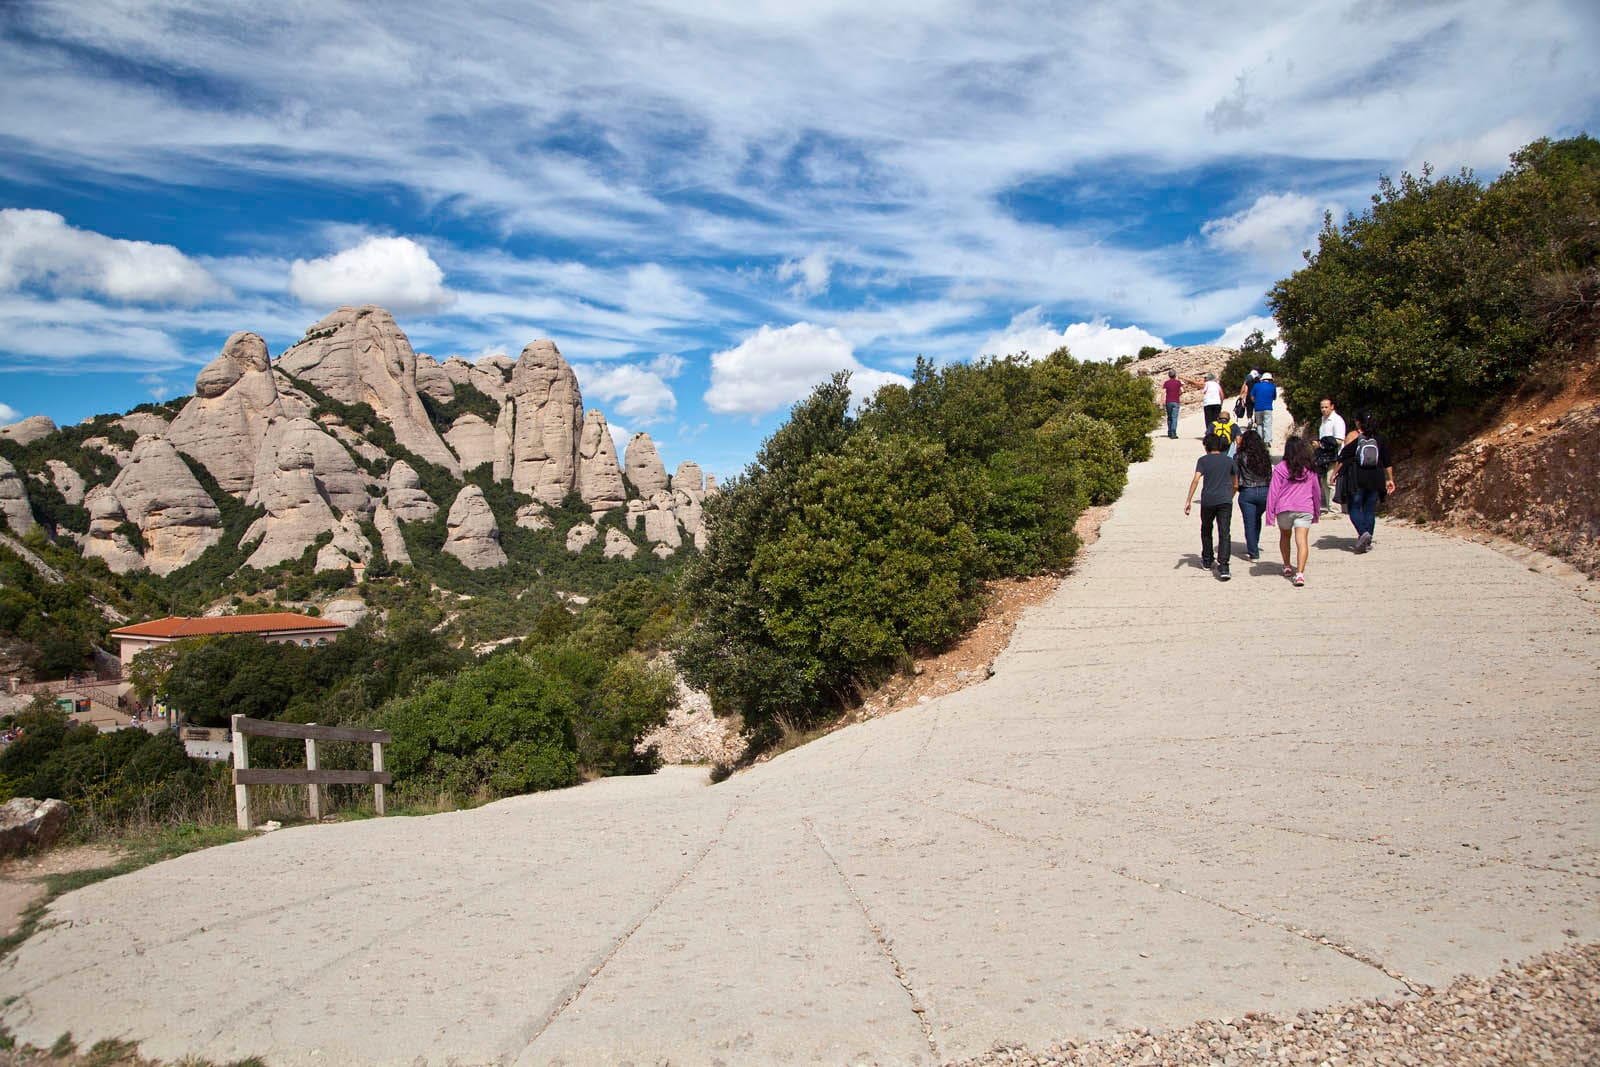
{"x": 1212, "y": 399}
{"x": 1332, "y": 425}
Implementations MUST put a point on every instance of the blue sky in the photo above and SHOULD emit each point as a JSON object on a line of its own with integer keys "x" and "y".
{"x": 711, "y": 206}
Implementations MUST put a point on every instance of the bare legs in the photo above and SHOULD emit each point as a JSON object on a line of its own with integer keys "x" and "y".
{"x": 1302, "y": 548}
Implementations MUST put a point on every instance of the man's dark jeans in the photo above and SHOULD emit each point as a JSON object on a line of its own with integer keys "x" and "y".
{"x": 1222, "y": 514}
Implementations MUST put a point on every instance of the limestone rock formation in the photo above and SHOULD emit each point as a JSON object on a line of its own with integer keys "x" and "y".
{"x": 689, "y": 479}
{"x": 473, "y": 537}
{"x": 491, "y": 375}
{"x": 1191, "y": 363}
{"x": 358, "y": 355}
{"x": 432, "y": 381}
{"x": 301, "y": 476}
{"x": 580, "y": 537}
{"x": 394, "y": 542}
{"x": 29, "y": 429}
{"x": 349, "y": 546}
{"x": 711, "y": 484}
{"x": 505, "y": 431}
{"x": 160, "y": 495}
{"x": 619, "y": 544}
{"x": 472, "y": 440}
{"x": 140, "y": 423}
{"x": 105, "y": 539}
{"x": 235, "y": 397}
{"x": 68, "y": 482}
{"x": 549, "y": 416}
{"x": 406, "y": 497}
{"x": 658, "y": 518}
{"x": 532, "y": 517}
{"x": 686, "y": 508}
{"x": 599, "y": 477}
{"x": 348, "y": 610}
{"x": 457, "y": 369}
{"x": 14, "y": 499}
{"x": 645, "y": 471}
{"x": 104, "y": 446}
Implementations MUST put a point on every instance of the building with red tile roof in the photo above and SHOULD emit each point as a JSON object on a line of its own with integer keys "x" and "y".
{"x": 277, "y": 626}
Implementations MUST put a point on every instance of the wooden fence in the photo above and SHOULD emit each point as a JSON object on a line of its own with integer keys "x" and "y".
{"x": 313, "y": 777}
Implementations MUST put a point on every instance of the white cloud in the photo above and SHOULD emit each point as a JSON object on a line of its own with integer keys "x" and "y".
{"x": 667, "y": 365}
{"x": 810, "y": 275}
{"x": 619, "y": 436}
{"x": 39, "y": 248}
{"x": 633, "y": 392}
{"x": 8, "y": 414}
{"x": 395, "y": 272}
{"x": 1277, "y": 227}
{"x": 1234, "y": 335}
{"x": 774, "y": 368}
{"x": 1096, "y": 340}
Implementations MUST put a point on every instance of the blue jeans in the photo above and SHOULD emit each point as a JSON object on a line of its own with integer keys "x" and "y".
{"x": 1172, "y": 420}
{"x": 1363, "y": 509}
{"x": 1252, "y": 505}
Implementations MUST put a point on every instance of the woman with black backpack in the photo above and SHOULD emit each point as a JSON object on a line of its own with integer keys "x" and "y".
{"x": 1369, "y": 471}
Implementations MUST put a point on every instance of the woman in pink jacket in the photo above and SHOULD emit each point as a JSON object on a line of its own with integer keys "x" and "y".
{"x": 1294, "y": 502}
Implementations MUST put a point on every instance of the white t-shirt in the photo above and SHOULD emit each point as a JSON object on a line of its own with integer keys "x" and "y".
{"x": 1332, "y": 426}
{"x": 1213, "y": 392}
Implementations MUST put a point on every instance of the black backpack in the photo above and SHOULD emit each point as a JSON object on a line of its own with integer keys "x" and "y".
{"x": 1327, "y": 452}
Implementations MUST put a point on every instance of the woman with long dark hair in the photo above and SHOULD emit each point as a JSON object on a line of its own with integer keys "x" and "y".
{"x": 1253, "y": 467}
{"x": 1294, "y": 502}
{"x": 1369, "y": 477}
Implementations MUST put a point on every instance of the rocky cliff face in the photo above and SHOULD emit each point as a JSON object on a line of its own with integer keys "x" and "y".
{"x": 235, "y": 397}
{"x": 302, "y": 475}
{"x": 358, "y": 355}
{"x": 549, "y": 415}
{"x": 472, "y": 535}
{"x": 14, "y": 499}
{"x": 599, "y": 477}
{"x": 337, "y": 479}
{"x": 158, "y": 493}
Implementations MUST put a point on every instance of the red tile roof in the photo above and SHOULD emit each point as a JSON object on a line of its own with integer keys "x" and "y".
{"x": 177, "y": 626}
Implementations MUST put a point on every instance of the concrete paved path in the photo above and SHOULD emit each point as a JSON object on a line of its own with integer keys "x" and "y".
{"x": 1176, "y": 799}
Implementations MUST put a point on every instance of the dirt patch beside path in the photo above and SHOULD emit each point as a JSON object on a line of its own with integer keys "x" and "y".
{"x": 22, "y": 877}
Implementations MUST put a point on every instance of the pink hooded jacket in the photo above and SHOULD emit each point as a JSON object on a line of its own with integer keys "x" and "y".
{"x": 1286, "y": 494}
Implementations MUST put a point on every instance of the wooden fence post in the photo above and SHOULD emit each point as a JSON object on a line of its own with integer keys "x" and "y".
{"x": 377, "y": 765}
{"x": 241, "y": 760}
{"x": 313, "y": 790}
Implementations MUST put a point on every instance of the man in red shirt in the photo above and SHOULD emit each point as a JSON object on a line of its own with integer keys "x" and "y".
{"x": 1173, "y": 387}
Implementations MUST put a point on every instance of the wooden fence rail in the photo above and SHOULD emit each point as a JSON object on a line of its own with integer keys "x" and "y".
{"x": 313, "y": 777}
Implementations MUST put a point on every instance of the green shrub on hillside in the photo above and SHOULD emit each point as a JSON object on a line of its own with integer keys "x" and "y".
{"x": 1444, "y": 293}
{"x": 850, "y": 545}
{"x": 500, "y": 728}
{"x": 1254, "y": 354}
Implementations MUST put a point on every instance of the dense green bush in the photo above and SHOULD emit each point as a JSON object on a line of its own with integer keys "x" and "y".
{"x": 1254, "y": 354}
{"x": 500, "y": 728}
{"x": 849, "y": 545}
{"x": 110, "y": 780}
{"x": 1444, "y": 293}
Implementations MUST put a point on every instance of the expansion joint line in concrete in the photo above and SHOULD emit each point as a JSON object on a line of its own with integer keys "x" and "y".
{"x": 592, "y": 971}
{"x": 917, "y": 1007}
{"x": 1244, "y": 913}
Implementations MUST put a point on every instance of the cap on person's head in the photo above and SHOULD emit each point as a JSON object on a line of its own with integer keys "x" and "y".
{"x": 1267, "y": 377}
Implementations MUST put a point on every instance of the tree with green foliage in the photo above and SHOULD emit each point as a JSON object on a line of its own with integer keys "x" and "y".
{"x": 1444, "y": 293}
{"x": 500, "y": 728}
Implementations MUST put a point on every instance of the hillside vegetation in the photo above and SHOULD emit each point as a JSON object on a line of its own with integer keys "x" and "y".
{"x": 1448, "y": 294}
{"x": 853, "y": 542}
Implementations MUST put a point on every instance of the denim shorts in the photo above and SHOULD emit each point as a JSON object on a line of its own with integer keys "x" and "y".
{"x": 1294, "y": 520}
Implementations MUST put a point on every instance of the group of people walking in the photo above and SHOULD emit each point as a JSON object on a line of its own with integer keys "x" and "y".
{"x": 1348, "y": 466}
